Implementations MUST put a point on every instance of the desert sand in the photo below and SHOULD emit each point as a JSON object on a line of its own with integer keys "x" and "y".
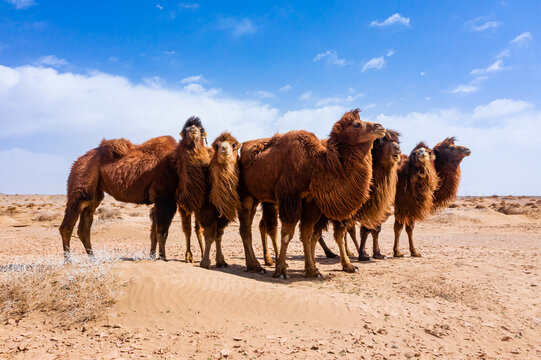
{"x": 475, "y": 293}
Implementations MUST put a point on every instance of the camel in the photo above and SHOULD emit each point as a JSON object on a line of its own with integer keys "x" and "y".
{"x": 306, "y": 178}
{"x": 414, "y": 199}
{"x": 221, "y": 200}
{"x": 129, "y": 173}
{"x": 385, "y": 157}
{"x": 448, "y": 157}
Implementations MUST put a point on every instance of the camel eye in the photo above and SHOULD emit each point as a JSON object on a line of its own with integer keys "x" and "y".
{"x": 357, "y": 125}
{"x": 234, "y": 146}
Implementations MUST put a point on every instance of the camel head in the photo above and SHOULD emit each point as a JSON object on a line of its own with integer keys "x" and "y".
{"x": 351, "y": 130}
{"x": 386, "y": 150}
{"x": 193, "y": 132}
{"x": 421, "y": 155}
{"x": 226, "y": 148}
{"x": 447, "y": 151}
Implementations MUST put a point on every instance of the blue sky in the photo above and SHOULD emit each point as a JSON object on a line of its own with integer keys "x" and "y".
{"x": 72, "y": 73}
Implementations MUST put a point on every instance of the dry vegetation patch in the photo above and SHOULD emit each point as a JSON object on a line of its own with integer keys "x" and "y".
{"x": 75, "y": 293}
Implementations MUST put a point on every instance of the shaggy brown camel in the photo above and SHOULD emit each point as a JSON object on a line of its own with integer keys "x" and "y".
{"x": 448, "y": 157}
{"x": 370, "y": 216}
{"x": 306, "y": 179}
{"x": 414, "y": 200}
{"x": 129, "y": 173}
{"x": 221, "y": 200}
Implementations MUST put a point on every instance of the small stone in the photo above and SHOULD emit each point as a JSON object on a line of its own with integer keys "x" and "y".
{"x": 11, "y": 322}
{"x": 225, "y": 352}
{"x": 382, "y": 331}
{"x": 238, "y": 338}
{"x": 506, "y": 338}
{"x": 394, "y": 346}
{"x": 409, "y": 355}
{"x": 314, "y": 347}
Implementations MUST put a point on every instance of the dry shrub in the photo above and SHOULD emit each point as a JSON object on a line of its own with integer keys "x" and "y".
{"x": 480, "y": 206}
{"x": 452, "y": 206}
{"x": 30, "y": 204}
{"x": 75, "y": 293}
{"x": 512, "y": 209}
{"x": 109, "y": 214}
{"x": 45, "y": 217}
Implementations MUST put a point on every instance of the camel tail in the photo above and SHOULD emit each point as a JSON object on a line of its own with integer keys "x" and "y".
{"x": 115, "y": 148}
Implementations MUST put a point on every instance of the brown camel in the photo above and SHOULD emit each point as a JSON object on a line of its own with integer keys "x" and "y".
{"x": 385, "y": 157}
{"x": 129, "y": 173}
{"x": 306, "y": 179}
{"x": 414, "y": 200}
{"x": 448, "y": 157}
{"x": 221, "y": 200}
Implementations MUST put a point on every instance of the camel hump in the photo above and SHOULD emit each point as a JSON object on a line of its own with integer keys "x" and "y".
{"x": 159, "y": 145}
{"x": 251, "y": 149}
{"x": 115, "y": 148}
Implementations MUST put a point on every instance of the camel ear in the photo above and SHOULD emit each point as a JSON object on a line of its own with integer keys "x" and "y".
{"x": 181, "y": 134}
{"x": 239, "y": 146}
{"x": 205, "y": 137}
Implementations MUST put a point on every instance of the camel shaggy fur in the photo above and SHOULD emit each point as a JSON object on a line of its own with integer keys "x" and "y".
{"x": 306, "y": 179}
{"x": 414, "y": 199}
{"x": 221, "y": 201}
{"x": 129, "y": 173}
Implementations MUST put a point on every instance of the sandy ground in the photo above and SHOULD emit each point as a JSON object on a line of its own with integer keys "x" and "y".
{"x": 475, "y": 293}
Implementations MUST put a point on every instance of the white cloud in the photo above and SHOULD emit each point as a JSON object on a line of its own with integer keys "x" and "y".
{"x": 522, "y": 39}
{"x": 286, "y": 88}
{"x": 486, "y": 25}
{"x": 306, "y": 96}
{"x": 374, "y": 63}
{"x": 465, "y": 89}
{"x": 237, "y": 27}
{"x": 263, "y": 94}
{"x": 70, "y": 113}
{"x": 338, "y": 100}
{"x": 192, "y": 6}
{"x": 390, "y": 52}
{"x": 159, "y": 6}
{"x": 331, "y": 56}
{"x": 193, "y": 79}
{"x": 22, "y": 4}
{"x": 51, "y": 60}
{"x": 422, "y": 73}
{"x": 503, "y": 54}
{"x": 494, "y": 67}
{"x": 501, "y": 107}
{"x": 393, "y": 19}
{"x": 169, "y": 52}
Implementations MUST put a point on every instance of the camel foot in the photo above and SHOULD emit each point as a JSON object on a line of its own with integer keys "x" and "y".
{"x": 205, "y": 263}
{"x": 397, "y": 254}
{"x": 330, "y": 255}
{"x": 313, "y": 273}
{"x": 349, "y": 268}
{"x": 152, "y": 255}
{"x": 222, "y": 264}
{"x": 188, "y": 257}
{"x": 162, "y": 258}
{"x": 269, "y": 261}
{"x": 256, "y": 269}
{"x": 379, "y": 256}
{"x": 364, "y": 257}
{"x": 280, "y": 273}
{"x": 414, "y": 253}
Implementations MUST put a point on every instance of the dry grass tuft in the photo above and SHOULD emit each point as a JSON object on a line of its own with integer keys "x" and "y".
{"x": 512, "y": 209}
{"x": 75, "y": 293}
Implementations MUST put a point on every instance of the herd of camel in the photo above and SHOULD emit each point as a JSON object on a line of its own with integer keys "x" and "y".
{"x": 355, "y": 176}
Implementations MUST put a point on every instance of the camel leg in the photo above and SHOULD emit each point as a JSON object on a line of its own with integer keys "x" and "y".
{"x": 339, "y": 232}
{"x": 263, "y": 233}
{"x": 409, "y": 231}
{"x": 397, "y": 230}
{"x": 246, "y": 217}
{"x": 220, "y": 260}
{"x": 288, "y": 230}
{"x": 210, "y": 235}
{"x": 153, "y": 238}
{"x": 186, "y": 220}
{"x": 375, "y": 244}
{"x": 199, "y": 235}
{"x": 363, "y": 256}
{"x": 351, "y": 232}
{"x": 73, "y": 210}
{"x": 164, "y": 213}
{"x": 329, "y": 254}
{"x": 85, "y": 222}
{"x": 348, "y": 252}
{"x": 310, "y": 269}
